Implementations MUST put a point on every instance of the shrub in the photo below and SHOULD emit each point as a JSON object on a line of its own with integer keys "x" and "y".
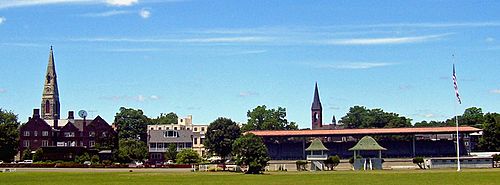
{"x": 301, "y": 165}
{"x": 94, "y": 159}
{"x": 419, "y": 161}
{"x": 332, "y": 162}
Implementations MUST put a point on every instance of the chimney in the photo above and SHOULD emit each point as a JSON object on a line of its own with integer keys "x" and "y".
{"x": 71, "y": 115}
{"x": 36, "y": 113}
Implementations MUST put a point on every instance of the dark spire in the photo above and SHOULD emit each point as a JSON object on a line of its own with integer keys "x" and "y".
{"x": 50, "y": 96}
{"x": 316, "y": 105}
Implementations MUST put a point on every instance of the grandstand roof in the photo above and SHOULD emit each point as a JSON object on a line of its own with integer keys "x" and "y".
{"x": 364, "y": 131}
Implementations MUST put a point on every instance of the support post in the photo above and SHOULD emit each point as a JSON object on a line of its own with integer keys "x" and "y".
{"x": 413, "y": 145}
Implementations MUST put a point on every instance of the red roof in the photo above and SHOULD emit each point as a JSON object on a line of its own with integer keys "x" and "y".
{"x": 364, "y": 131}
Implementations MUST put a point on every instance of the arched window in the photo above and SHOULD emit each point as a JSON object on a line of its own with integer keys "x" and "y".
{"x": 315, "y": 116}
{"x": 47, "y": 106}
{"x": 48, "y": 79}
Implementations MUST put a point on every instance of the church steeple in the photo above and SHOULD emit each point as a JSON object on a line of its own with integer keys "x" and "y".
{"x": 50, "y": 96}
{"x": 316, "y": 110}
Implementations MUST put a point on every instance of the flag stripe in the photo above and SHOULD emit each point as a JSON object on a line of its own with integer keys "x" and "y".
{"x": 456, "y": 86}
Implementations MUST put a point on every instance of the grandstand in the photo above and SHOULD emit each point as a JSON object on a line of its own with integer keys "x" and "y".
{"x": 400, "y": 142}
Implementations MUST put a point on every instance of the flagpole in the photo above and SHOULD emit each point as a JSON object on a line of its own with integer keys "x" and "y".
{"x": 456, "y": 116}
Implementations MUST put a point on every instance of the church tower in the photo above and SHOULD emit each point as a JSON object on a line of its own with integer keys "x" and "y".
{"x": 316, "y": 111}
{"x": 50, "y": 96}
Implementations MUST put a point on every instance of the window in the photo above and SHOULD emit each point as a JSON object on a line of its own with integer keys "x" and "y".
{"x": 202, "y": 140}
{"x": 45, "y": 143}
{"x": 171, "y": 133}
{"x": 35, "y": 133}
{"x": 47, "y": 106}
{"x": 104, "y": 134}
{"x": 26, "y": 143}
{"x": 69, "y": 134}
{"x": 91, "y": 134}
{"x": 195, "y": 129}
{"x": 175, "y": 128}
{"x": 159, "y": 128}
{"x": 202, "y": 129}
{"x": 26, "y": 133}
{"x": 160, "y": 145}
{"x": 195, "y": 141}
{"x": 156, "y": 155}
{"x": 152, "y": 145}
{"x": 45, "y": 133}
{"x": 91, "y": 143}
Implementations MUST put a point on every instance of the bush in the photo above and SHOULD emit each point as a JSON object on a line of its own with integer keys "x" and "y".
{"x": 94, "y": 159}
{"x": 301, "y": 165}
{"x": 70, "y": 165}
{"x": 419, "y": 161}
{"x": 332, "y": 162}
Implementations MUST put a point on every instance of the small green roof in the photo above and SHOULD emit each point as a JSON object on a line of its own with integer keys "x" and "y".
{"x": 367, "y": 143}
{"x": 316, "y": 145}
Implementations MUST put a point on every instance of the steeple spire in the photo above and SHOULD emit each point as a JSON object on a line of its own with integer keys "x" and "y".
{"x": 316, "y": 105}
{"x": 50, "y": 96}
{"x": 316, "y": 111}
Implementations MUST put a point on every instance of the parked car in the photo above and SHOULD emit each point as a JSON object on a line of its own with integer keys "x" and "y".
{"x": 1, "y": 162}
{"x": 87, "y": 163}
{"x": 26, "y": 162}
{"x": 136, "y": 164}
{"x": 169, "y": 162}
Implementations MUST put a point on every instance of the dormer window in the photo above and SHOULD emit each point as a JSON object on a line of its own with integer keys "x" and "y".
{"x": 171, "y": 133}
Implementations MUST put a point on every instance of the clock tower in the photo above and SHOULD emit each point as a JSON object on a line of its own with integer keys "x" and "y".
{"x": 50, "y": 96}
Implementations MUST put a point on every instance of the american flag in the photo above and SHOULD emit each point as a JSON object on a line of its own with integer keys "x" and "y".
{"x": 455, "y": 85}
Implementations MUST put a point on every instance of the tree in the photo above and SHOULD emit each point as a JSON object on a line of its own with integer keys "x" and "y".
{"x": 27, "y": 155}
{"x": 170, "y": 118}
{"x": 220, "y": 137}
{"x": 332, "y": 162}
{"x": 94, "y": 159}
{"x": 490, "y": 141}
{"x": 472, "y": 116}
{"x": 250, "y": 150}
{"x": 261, "y": 118}
{"x": 38, "y": 155}
{"x": 82, "y": 158}
{"x": 132, "y": 150}
{"x": 9, "y": 135}
{"x": 131, "y": 124}
{"x": 354, "y": 118}
{"x": 171, "y": 153}
{"x": 361, "y": 117}
{"x": 188, "y": 156}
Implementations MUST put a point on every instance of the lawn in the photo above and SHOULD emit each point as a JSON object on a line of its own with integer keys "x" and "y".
{"x": 427, "y": 177}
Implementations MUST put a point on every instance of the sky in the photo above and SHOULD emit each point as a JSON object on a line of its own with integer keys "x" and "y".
{"x": 222, "y": 58}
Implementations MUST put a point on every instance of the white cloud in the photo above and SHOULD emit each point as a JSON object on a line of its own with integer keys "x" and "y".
{"x": 386, "y": 40}
{"x": 489, "y": 39}
{"x": 145, "y": 13}
{"x": 2, "y": 90}
{"x": 121, "y": 2}
{"x": 355, "y": 65}
{"x": 24, "y": 3}
{"x": 107, "y": 13}
{"x": 248, "y": 93}
{"x": 179, "y": 40}
{"x": 139, "y": 98}
{"x": 2, "y": 20}
{"x": 495, "y": 91}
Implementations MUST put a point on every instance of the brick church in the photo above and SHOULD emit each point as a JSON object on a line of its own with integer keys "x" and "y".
{"x": 64, "y": 139}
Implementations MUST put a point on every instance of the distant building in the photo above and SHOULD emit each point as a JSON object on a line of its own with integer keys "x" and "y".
{"x": 317, "y": 114}
{"x": 62, "y": 138}
{"x": 184, "y": 134}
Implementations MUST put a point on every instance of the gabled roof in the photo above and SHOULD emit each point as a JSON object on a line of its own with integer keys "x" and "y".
{"x": 367, "y": 143}
{"x": 316, "y": 105}
{"x": 316, "y": 145}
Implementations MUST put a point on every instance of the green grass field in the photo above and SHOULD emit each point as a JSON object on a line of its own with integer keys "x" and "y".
{"x": 427, "y": 177}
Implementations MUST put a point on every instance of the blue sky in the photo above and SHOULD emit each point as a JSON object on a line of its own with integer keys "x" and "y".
{"x": 222, "y": 58}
